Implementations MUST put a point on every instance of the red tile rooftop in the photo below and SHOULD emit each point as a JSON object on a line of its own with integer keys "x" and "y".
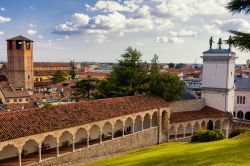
{"x": 34, "y": 121}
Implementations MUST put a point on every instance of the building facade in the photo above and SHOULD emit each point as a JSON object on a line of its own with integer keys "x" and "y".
{"x": 20, "y": 62}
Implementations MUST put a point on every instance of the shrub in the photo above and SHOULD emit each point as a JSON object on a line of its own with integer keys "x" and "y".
{"x": 236, "y": 132}
{"x": 207, "y": 136}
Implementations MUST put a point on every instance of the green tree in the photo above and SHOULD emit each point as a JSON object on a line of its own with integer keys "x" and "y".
{"x": 83, "y": 88}
{"x": 171, "y": 65}
{"x": 72, "y": 72}
{"x": 127, "y": 78}
{"x": 154, "y": 64}
{"x": 59, "y": 76}
{"x": 240, "y": 40}
{"x": 168, "y": 86}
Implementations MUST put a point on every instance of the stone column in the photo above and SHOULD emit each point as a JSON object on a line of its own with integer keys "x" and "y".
{"x": 40, "y": 153}
{"x": 159, "y": 126}
{"x": 57, "y": 149}
{"x": 133, "y": 128}
{"x": 73, "y": 144}
{"x": 192, "y": 131}
{"x": 184, "y": 133}
{"x": 20, "y": 158}
{"x": 142, "y": 125}
{"x": 88, "y": 140}
{"x": 227, "y": 130}
{"x": 101, "y": 136}
{"x": 113, "y": 132}
{"x": 123, "y": 130}
{"x": 150, "y": 122}
{"x": 175, "y": 134}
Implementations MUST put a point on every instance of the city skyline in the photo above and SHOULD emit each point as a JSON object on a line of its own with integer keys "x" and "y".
{"x": 177, "y": 31}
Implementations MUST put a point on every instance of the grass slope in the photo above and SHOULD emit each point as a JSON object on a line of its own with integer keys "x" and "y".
{"x": 234, "y": 151}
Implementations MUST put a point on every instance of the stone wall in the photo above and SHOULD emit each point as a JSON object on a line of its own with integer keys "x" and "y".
{"x": 187, "y": 105}
{"x": 127, "y": 143}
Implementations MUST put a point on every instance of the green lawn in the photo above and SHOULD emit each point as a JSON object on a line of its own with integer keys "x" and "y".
{"x": 234, "y": 151}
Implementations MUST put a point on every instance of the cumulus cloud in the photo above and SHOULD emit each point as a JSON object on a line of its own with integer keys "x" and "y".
{"x": 4, "y": 19}
{"x": 1, "y": 33}
{"x": 218, "y": 27}
{"x": 80, "y": 18}
{"x": 166, "y": 39}
{"x": 31, "y": 32}
{"x": 2, "y": 9}
{"x": 183, "y": 33}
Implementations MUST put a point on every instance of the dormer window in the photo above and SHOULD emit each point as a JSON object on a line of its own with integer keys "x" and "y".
{"x": 19, "y": 45}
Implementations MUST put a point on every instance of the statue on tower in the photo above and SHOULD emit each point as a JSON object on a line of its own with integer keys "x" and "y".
{"x": 230, "y": 42}
{"x": 211, "y": 43}
{"x": 220, "y": 43}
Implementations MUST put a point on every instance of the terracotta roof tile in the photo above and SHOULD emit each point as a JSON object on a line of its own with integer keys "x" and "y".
{"x": 205, "y": 112}
{"x": 24, "y": 123}
{"x": 20, "y": 37}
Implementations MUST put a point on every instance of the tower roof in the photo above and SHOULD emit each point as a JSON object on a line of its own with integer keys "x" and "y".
{"x": 218, "y": 51}
{"x": 20, "y": 37}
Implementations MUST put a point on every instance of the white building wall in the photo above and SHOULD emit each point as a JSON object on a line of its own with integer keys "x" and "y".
{"x": 214, "y": 100}
{"x": 242, "y": 107}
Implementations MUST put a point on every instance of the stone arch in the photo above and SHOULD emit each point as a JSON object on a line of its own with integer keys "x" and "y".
{"x": 146, "y": 121}
{"x": 128, "y": 128}
{"x": 48, "y": 147}
{"x": 203, "y": 125}
{"x": 247, "y": 116}
{"x": 196, "y": 127}
{"x": 188, "y": 131}
{"x": 66, "y": 142}
{"x": 81, "y": 137}
{"x": 240, "y": 115}
{"x": 118, "y": 128}
{"x": 30, "y": 150}
{"x": 217, "y": 125}
{"x": 210, "y": 125}
{"x": 8, "y": 154}
{"x": 94, "y": 135}
{"x": 138, "y": 124}
{"x": 107, "y": 131}
{"x": 172, "y": 133}
{"x": 180, "y": 131}
{"x": 154, "y": 119}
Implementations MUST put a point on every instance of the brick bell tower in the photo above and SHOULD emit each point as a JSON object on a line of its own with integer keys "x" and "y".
{"x": 20, "y": 62}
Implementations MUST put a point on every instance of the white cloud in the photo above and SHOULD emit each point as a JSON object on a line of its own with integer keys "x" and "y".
{"x": 31, "y": 32}
{"x": 31, "y": 7}
{"x": 32, "y": 25}
{"x": 40, "y": 36}
{"x": 183, "y": 33}
{"x": 221, "y": 27}
{"x": 2, "y": 9}
{"x": 139, "y": 44}
{"x": 166, "y": 39}
{"x": 67, "y": 27}
{"x": 4, "y": 19}
{"x": 80, "y": 18}
{"x": 1, "y": 33}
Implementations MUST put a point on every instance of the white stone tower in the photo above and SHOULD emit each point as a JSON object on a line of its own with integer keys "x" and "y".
{"x": 218, "y": 78}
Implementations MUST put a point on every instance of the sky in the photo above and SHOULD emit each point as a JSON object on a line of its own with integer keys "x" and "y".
{"x": 100, "y": 30}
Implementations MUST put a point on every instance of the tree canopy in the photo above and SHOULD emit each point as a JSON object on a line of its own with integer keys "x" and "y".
{"x": 72, "y": 72}
{"x": 131, "y": 77}
{"x": 240, "y": 40}
{"x": 83, "y": 88}
{"x": 59, "y": 76}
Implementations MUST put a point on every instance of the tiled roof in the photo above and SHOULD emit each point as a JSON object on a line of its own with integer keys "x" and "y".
{"x": 51, "y": 64}
{"x": 20, "y": 37}
{"x": 218, "y": 51}
{"x": 24, "y": 123}
{"x": 205, "y": 112}
{"x": 9, "y": 93}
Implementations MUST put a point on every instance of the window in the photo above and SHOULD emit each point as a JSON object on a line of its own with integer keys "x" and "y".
{"x": 41, "y": 79}
{"x": 15, "y": 100}
{"x": 36, "y": 79}
{"x": 7, "y": 100}
{"x": 244, "y": 100}
{"x": 27, "y": 45}
{"x": 19, "y": 45}
{"x": 10, "y": 45}
{"x": 27, "y": 99}
{"x": 20, "y": 100}
{"x": 28, "y": 77}
{"x": 238, "y": 99}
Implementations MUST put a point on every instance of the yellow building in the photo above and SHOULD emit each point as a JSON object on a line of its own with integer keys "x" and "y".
{"x": 9, "y": 95}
